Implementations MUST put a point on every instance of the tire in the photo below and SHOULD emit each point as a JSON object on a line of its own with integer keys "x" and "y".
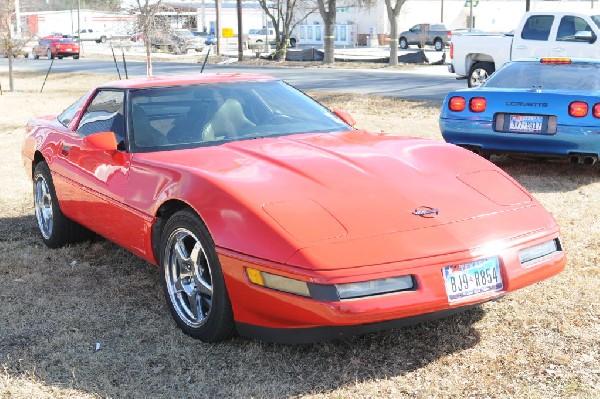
{"x": 49, "y": 55}
{"x": 193, "y": 281}
{"x": 102, "y": 39}
{"x": 60, "y": 57}
{"x": 438, "y": 44}
{"x": 403, "y": 43}
{"x": 75, "y": 56}
{"x": 292, "y": 42}
{"x": 36, "y": 57}
{"x": 479, "y": 73}
{"x": 55, "y": 228}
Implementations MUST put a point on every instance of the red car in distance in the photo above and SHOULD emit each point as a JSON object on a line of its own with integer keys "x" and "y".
{"x": 56, "y": 47}
{"x": 272, "y": 216}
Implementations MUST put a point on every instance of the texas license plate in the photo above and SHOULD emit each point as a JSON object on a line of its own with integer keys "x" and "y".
{"x": 472, "y": 279}
{"x": 525, "y": 123}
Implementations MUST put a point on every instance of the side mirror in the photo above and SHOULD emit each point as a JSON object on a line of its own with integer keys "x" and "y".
{"x": 102, "y": 141}
{"x": 345, "y": 116}
{"x": 585, "y": 36}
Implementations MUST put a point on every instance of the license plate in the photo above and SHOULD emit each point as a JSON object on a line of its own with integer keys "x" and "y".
{"x": 525, "y": 123}
{"x": 472, "y": 279}
{"x": 69, "y": 49}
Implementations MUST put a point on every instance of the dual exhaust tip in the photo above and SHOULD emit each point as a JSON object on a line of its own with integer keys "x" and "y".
{"x": 586, "y": 159}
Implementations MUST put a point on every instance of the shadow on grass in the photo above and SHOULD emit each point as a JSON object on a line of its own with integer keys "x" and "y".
{"x": 549, "y": 176}
{"x": 58, "y": 306}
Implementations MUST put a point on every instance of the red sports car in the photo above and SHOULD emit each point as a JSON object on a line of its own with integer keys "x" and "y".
{"x": 56, "y": 47}
{"x": 271, "y": 216}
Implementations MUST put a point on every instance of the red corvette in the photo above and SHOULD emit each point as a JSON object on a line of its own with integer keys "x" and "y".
{"x": 271, "y": 216}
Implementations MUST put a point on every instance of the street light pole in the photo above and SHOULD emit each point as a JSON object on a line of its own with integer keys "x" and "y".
{"x": 240, "y": 36}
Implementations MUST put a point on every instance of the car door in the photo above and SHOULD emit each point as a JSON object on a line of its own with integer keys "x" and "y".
{"x": 97, "y": 180}
{"x": 534, "y": 39}
{"x": 567, "y": 41}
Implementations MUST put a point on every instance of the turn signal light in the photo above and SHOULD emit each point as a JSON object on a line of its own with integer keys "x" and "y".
{"x": 555, "y": 60}
{"x": 596, "y": 110}
{"x": 578, "y": 109}
{"x": 477, "y": 104}
{"x": 457, "y": 104}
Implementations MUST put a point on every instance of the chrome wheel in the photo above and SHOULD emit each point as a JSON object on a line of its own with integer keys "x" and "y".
{"x": 188, "y": 277}
{"x": 43, "y": 207}
{"x": 478, "y": 77}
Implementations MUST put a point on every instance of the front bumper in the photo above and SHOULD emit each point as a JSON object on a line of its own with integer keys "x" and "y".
{"x": 286, "y": 318}
{"x": 479, "y": 133}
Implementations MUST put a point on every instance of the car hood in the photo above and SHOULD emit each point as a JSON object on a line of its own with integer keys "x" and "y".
{"x": 324, "y": 189}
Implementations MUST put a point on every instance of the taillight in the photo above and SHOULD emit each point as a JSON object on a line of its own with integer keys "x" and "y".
{"x": 477, "y": 104}
{"x": 555, "y": 60}
{"x": 457, "y": 104}
{"x": 596, "y": 110}
{"x": 578, "y": 109}
{"x": 451, "y": 50}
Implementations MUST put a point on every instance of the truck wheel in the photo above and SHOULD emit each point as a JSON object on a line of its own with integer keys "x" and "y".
{"x": 292, "y": 42}
{"x": 103, "y": 39}
{"x": 438, "y": 44}
{"x": 479, "y": 73}
{"x": 403, "y": 43}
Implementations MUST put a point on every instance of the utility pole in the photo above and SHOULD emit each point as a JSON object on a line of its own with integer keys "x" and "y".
{"x": 218, "y": 26}
{"x": 528, "y": 4}
{"x": 240, "y": 35}
{"x": 442, "y": 12}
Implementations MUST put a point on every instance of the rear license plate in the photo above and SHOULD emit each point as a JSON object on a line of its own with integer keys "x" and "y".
{"x": 69, "y": 49}
{"x": 525, "y": 123}
{"x": 472, "y": 279}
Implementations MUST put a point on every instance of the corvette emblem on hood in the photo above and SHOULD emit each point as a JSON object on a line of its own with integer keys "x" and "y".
{"x": 426, "y": 212}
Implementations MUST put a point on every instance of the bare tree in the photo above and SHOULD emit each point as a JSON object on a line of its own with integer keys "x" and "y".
{"x": 10, "y": 46}
{"x": 148, "y": 25}
{"x": 393, "y": 10}
{"x": 327, "y": 8}
{"x": 283, "y": 16}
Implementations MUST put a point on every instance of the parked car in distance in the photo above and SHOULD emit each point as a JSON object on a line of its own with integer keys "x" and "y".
{"x": 270, "y": 215}
{"x": 257, "y": 37}
{"x": 89, "y": 34}
{"x": 542, "y": 108}
{"x": 209, "y": 38}
{"x": 539, "y": 34}
{"x": 56, "y": 47}
{"x": 425, "y": 34}
{"x": 179, "y": 41}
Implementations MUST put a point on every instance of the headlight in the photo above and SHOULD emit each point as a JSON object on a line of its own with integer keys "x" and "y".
{"x": 538, "y": 252}
{"x": 331, "y": 293}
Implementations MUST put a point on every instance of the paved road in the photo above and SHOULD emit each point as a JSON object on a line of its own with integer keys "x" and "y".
{"x": 423, "y": 83}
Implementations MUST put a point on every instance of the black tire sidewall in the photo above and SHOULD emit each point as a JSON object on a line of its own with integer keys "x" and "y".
{"x": 219, "y": 324}
{"x": 55, "y": 240}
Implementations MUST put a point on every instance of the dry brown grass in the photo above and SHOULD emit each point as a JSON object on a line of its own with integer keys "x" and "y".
{"x": 55, "y": 305}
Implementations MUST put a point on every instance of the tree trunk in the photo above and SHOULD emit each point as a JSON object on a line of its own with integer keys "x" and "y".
{"x": 393, "y": 40}
{"x": 328, "y": 14}
{"x": 148, "y": 56}
{"x": 328, "y": 42}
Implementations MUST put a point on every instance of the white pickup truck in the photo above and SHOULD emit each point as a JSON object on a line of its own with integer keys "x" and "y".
{"x": 539, "y": 34}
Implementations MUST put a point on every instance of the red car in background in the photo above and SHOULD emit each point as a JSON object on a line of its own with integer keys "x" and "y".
{"x": 272, "y": 216}
{"x": 56, "y": 47}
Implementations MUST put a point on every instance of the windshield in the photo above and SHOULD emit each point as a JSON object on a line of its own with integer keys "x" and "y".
{"x": 166, "y": 118}
{"x": 596, "y": 19}
{"x": 526, "y": 75}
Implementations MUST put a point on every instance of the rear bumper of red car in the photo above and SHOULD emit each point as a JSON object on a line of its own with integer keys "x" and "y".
{"x": 282, "y": 317}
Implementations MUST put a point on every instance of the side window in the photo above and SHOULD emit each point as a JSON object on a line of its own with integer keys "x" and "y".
{"x": 104, "y": 114}
{"x": 537, "y": 27}
{"x": 569, "y": 25}
{"x": 68, "y": 114}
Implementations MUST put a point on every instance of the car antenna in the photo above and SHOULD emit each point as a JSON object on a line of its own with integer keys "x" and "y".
{"x": 115, "y": 59}
{"x": 205, "y": 59}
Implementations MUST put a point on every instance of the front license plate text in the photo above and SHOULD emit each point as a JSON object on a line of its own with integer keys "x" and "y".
{"x": 472, "y": 279}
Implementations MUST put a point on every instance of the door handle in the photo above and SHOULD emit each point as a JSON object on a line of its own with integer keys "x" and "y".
{"x": 521, "y": 47}
{"x": 558, "y": 49}
{"x": 66, "y": 149}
